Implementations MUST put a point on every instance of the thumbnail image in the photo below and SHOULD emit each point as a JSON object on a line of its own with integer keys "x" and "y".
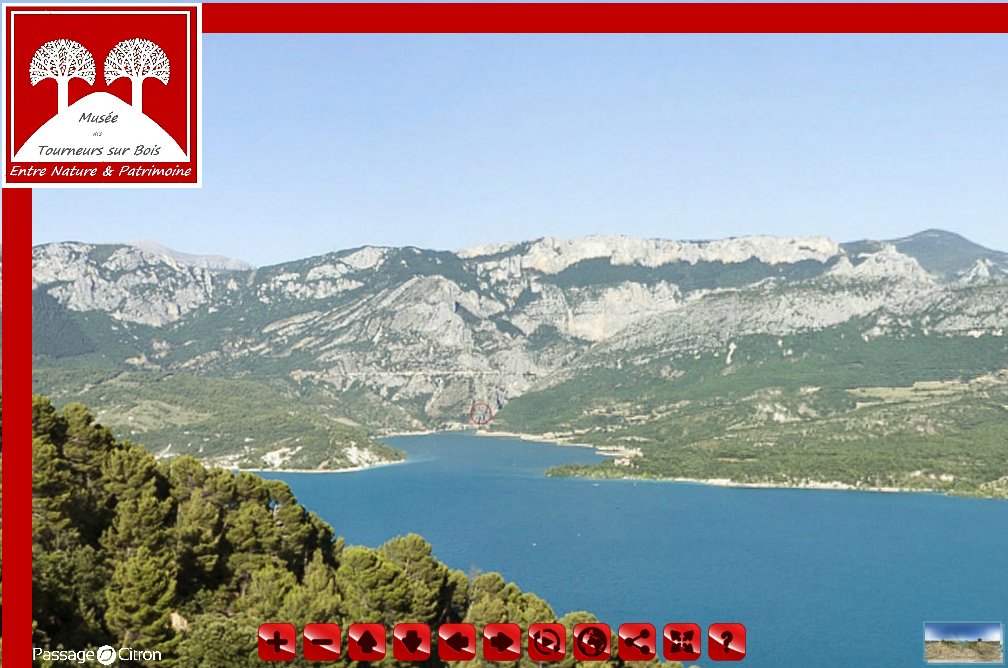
{"x": 964, "y": 642}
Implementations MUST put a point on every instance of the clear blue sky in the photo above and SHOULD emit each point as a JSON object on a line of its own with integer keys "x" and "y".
{"x": 962, "y": 631}
{"x": 320, "y": 142}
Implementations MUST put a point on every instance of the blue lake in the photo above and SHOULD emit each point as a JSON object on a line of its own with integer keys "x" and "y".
{"x": 818, "y": 578}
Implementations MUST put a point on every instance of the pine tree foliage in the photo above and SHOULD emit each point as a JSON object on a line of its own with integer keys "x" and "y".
{"x": 173, "y": 557}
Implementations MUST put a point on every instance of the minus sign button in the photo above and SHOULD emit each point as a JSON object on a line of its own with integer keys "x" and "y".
{"x": 321, "y": 641}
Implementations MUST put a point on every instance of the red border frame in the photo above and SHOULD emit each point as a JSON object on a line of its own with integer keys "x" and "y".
{"x": 17, "y": 215}
{"x": 323, "y": 18}
{"x": 603, "y": 17}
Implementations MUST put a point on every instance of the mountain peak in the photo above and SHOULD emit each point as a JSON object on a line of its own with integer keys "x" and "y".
{"x": 935, "y": 234}
{"x": 946, "y": 253}
{"x": 214, "y": 262}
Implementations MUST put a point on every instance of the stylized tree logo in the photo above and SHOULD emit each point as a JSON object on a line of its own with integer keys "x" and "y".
{"x": 136, "y": 59}
{"x": 62, "y": 60}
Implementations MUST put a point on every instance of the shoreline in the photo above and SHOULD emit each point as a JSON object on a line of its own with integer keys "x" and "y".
{"x": 611, "y": 451}
{"x": 616, "y": 451}
{"x": 423, "y": 432}
{"x": 606, "y": 451}
{"x": 352, "y": 469}
{"x": 534, "y": 438}
{"x": 531, "y": 438}
{"x": 834, "y": 485}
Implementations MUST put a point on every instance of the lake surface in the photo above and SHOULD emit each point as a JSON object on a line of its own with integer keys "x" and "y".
{"x": 818, "y": 578}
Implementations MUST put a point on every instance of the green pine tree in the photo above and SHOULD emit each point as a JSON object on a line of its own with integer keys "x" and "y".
{"x": 140, "y": 598}
{"x": 215, "y": 640}
{"x": 374, "y": 589}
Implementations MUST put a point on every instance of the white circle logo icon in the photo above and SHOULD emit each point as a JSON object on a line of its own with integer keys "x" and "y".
{"x": 105, "y": 655}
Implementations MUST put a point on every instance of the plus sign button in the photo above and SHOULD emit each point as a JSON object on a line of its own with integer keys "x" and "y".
{"x": 277, "y": 642}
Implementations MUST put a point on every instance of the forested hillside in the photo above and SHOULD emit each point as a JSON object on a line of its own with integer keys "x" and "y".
{"x": 175, "y": 557}
{"x": 822, "y": 408}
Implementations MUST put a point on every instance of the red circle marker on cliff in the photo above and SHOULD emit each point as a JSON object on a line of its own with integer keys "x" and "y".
{"x": 480, "y": 414}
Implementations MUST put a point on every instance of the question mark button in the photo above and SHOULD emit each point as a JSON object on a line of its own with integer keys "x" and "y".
{"x": 726, "y": 642}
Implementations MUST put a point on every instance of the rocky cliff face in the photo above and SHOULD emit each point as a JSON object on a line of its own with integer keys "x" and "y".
{"x": 417, "y": 336}
{"x": 127, "y": 282}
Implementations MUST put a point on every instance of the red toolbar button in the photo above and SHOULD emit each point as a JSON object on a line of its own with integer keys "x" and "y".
{"x": 592, "y": 642}
{"x": 411, "y": 642}
{"x": 366, "y": 642}
{"x": 547, "y": 642}
{"x": 637, "y": 642}
{"x": 321, "y": 642}
{"x": 277, "y": 642}
{"x": 502, "y": 642}
{"x": 726, "y": 642}
{"x": 681, "y": 642}
{"x": 456, "y": 642}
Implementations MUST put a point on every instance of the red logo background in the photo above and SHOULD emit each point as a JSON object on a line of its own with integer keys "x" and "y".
{"x": 174, "y": 106}
{"x": 99, "y": 32}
